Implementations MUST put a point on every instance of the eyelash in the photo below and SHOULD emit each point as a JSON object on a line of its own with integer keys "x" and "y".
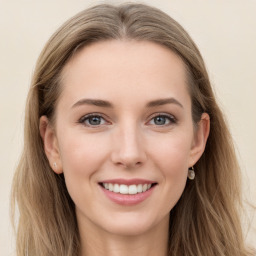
{"x": 171, "y": 118}
{"x": 83, "y": 119}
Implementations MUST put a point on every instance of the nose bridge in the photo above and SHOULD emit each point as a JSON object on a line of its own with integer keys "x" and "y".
{"x": 128, "y": 149}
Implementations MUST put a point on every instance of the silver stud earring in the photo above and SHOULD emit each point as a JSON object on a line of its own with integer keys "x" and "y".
{"x": 191, "y": 173}
{"x": 54, "y": 165}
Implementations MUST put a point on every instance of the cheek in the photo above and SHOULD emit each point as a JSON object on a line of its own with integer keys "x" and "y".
{"x": 172, "y": 158}
{"x": 82, "y": 156}
{"x": 174, "y": 169}
{"x": 81, "y": 153}
{"x": 172, "y": 153}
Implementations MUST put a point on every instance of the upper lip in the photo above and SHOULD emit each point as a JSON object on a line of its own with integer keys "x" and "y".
{"x": 128, "y": 181}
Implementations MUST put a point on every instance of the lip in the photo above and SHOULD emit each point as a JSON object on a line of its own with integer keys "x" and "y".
{"x": 127, "y": 200}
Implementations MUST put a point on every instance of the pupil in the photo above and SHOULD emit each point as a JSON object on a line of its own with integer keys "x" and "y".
{"x": 160, "y": 120}
{"x": 94, "y": 120}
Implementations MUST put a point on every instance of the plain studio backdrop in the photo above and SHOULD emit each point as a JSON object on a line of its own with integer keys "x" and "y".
{"x": 225, "y": 32}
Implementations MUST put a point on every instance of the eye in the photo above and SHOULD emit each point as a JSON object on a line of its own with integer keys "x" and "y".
{"x": 162, "y": 120}
{"x": 92, "y": 120}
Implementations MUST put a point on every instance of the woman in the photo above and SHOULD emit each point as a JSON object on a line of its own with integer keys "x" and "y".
{"x": 126, "y": 151}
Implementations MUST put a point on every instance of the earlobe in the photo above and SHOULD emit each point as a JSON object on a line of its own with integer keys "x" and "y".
{"x": 200, "y": 139}
{"x": 51, "y": 148}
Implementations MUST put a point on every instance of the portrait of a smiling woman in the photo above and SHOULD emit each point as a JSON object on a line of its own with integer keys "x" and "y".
{"x": 126, "y": 151}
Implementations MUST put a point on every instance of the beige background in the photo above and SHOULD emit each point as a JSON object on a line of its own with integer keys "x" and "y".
{"x": 225, "y": 32}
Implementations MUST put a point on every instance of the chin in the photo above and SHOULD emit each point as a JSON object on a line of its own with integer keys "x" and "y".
{"x": 132, "y": 225}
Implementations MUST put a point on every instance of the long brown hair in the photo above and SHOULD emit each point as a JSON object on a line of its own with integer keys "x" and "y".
{"x": 206, "y": 219}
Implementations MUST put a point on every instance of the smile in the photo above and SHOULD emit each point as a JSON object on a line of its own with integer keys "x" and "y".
{"x": 127, "y": 192}
{"x": 127, "y": 189}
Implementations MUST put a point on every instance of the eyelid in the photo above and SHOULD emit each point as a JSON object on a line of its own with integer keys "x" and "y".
{"x": 85, "y": 117}
{"x": 171, "y": 117}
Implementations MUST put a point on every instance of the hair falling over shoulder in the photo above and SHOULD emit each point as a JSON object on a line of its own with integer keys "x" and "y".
{"x": 206, "y": 219}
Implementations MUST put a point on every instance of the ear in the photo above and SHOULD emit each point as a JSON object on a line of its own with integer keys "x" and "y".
{"x": 200, "y": 139}
{"x": 51, "y": 147}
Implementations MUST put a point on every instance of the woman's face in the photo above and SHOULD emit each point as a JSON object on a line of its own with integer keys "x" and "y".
{"x": 123, "y": 123}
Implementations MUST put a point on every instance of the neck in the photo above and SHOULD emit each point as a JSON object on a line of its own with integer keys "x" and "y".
{"x": 96, "y": 242}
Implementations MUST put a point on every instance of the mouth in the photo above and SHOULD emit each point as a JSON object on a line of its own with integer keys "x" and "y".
{"x": 126, "y": 189}
{"x": 127, "y": 192}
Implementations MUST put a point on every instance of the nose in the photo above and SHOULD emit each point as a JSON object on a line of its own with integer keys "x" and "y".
{"x": 128, "y": 148}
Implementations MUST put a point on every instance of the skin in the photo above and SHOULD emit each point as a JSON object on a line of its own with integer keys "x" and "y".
{"x": 128, "y": 142}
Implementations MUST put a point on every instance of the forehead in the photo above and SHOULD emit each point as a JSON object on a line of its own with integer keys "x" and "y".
{"x": 124, "y": 69}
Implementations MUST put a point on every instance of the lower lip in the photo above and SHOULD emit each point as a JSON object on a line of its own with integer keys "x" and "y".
{"x": 127, "y": 199}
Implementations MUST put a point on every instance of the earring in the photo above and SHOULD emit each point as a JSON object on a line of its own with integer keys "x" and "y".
{"x": 54, "y": 165}
{"x": 191, "y": 173}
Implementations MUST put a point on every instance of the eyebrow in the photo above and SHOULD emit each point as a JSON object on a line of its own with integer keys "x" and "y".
{"x": 160, "y": 102}
{"x": 94, "y": 102}
{"x": 104, "y": 103}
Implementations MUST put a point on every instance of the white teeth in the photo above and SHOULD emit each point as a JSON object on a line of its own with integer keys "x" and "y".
{"x": 139, "y": 188}
{"x": 125, "y": 189}
{"x": 133, "y": 189}
{"x": 116, "y": 188}
{"x": 110, "y": 187}
{"x": 106, "y": 185}
{"x": 145, "y": 187}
